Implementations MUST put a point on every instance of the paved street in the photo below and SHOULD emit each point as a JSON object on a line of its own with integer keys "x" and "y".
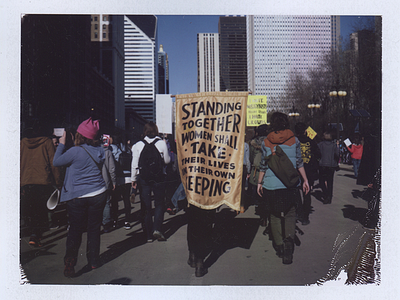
{"x": 244, "y": 256}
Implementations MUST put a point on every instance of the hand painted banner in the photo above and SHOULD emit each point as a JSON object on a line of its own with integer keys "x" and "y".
{"x": 256, "y": 110}
{"x": 210, "y": 131}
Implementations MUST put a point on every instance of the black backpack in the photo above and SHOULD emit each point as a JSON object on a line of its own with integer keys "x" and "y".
{"x": 151, "y": 164}
{"x": 125, "y": 160}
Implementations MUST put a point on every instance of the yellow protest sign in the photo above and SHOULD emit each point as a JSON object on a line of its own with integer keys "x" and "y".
{"x": 256, "y": 110}
{"x": 210, "y": 132}
{"x": 311, "y": 133}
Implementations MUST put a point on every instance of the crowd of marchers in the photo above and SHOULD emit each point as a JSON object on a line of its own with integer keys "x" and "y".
{"x": 93, "y": 171}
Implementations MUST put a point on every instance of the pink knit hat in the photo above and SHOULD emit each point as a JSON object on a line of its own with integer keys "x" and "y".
{"x": 89, "y": 128}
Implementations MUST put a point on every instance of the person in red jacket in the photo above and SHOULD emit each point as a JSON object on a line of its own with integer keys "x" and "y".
{"x": 356, "y": 150}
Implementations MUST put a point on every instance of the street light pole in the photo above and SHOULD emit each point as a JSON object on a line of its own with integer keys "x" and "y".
{"x": 312, "y": 106}
{"x": 335, "y": 94}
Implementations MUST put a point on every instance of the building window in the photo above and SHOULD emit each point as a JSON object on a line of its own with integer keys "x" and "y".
{"x": 104, "y": 35}
{"x": 104, "y": 27}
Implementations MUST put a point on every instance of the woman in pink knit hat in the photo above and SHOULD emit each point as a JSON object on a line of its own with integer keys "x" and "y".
{"x": 84, "y": 191}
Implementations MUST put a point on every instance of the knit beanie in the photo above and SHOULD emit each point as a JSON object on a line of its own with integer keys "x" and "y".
{"x": 89, "y": 128}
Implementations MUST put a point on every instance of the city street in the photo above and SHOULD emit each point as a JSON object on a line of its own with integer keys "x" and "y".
{"x": 242, "y": 256}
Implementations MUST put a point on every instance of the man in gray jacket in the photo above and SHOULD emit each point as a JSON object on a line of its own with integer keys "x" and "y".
{"x": 327, "y": 166}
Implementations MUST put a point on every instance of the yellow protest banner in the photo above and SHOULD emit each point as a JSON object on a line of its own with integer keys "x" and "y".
{"x": 256, "y": 110}
{"x": 311, "y": 133}
{"x": 210, "y": 132}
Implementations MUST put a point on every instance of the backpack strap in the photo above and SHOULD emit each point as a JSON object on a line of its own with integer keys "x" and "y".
{"x": 272, "y": 145}
{"x": 152, "y": 143}
{"x": 155, "y": 141}
{"x": 97, "y": 164}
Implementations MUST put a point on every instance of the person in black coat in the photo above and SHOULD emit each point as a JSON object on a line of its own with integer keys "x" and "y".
{"x": 310, "y": 154}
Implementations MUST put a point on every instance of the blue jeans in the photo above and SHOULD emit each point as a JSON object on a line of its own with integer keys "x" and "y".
{"x": 178, "y": 195}
{"x": 158, "y": 189}
{"x": 356, "y": 166}
{"x": 85, "y": 214}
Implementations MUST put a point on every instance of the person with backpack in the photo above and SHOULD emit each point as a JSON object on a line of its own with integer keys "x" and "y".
{"x": 123, "y": 158}
{"x": 255, "y": 159}
{"x": 311, "y": 155}
{"x": 279, "y": 185}
{"x": 149, "y": 157}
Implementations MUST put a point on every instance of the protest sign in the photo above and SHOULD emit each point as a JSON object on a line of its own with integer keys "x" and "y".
{"x": 210, "y": 132}
{"x": 311, "y": 132}
{"x": 256, "y": 110}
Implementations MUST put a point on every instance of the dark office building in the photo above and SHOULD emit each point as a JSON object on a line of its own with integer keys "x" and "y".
{"x": 61, "y": 82}
{"x": 233, "y": 53}
{"x": 162, "y": 72}
{"x": 107, "y": 36}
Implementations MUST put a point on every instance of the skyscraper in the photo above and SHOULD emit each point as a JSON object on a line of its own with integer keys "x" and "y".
{"x": 140, "y": 64}
{"x": 107, "y": 36}
{"x": 163, "y": 76}
{"x": 208, "y": 62}
{"x": 281, "y": 45}
{"x": 61, "y": 82}
{"x": 232, "y": 53}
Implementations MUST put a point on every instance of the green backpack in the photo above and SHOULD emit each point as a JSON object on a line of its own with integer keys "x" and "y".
{"x": 283, "y": 168}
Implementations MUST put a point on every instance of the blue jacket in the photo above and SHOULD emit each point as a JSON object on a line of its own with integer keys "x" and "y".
{"x": 290, "y": 145}
{"x": 82, "y": 175}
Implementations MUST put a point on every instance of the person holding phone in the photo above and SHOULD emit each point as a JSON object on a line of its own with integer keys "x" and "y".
{"x": 84, "y": 192}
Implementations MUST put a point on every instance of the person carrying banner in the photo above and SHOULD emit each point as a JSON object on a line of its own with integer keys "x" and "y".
{"x": 149, "y": 157}
{"x": 210, "y": 133}
{"x": 282, "y": 198}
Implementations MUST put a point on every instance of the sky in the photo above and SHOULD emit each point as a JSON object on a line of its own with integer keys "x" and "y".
{"x": 178, "y": 35}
